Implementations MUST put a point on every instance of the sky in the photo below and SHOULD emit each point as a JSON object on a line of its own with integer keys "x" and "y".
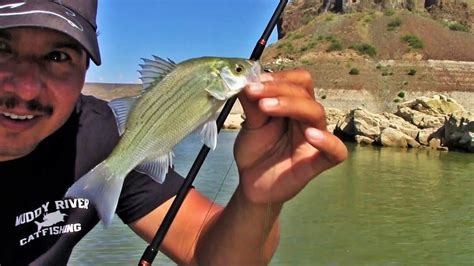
{"x": 130, "y": 30}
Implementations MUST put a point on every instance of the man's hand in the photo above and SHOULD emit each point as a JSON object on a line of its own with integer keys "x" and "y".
{"x": 284, "y": 143}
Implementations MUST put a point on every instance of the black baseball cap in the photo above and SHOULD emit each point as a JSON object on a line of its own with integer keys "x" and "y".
{"x": 76, "y": 18}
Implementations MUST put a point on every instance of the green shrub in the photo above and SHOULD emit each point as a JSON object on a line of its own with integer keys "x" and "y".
{"x": 401, "y": 94}
{"x": 335, "y": 43}
{"x": 386, "y": 72}
{"x": 458, "y": 27}
{"x": 354, "y": 71}
{"x": 306, "y": 19}
{"x": 392, "y": 25}
{"x": 296, "y": 35}
{"x": 389, "y": 12}
{"x": 411, "y": 72}
{"x": 308, "y": 46}
{"x": 413, "y": 41}
{"x": 363, "y": 48}
{"x": 287, "y": 47}
{"x": 335, "y": 46}
{"x": 330, "y": 38}
{"x": 329, "y": 17}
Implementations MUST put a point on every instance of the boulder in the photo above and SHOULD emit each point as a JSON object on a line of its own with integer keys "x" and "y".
{"x": 394, "y": 138}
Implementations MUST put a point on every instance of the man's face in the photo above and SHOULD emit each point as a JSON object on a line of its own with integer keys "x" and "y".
{"x": 41, "y": 76}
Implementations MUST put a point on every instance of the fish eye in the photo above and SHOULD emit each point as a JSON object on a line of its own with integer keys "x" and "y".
{"x": 239, "y": 68}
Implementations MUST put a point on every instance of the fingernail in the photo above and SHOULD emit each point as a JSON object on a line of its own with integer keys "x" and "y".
{"x": 315, "y": 134}
{"x": 266, "y": 77}
{"x": 270, "y": 102}
{"x": 256, "y": 87}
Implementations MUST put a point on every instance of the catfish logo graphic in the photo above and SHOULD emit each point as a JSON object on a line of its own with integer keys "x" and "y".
{"x": 51, "y": 219}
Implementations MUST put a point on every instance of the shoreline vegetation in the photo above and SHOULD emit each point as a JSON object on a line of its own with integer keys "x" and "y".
{"x": 436, "y": 121}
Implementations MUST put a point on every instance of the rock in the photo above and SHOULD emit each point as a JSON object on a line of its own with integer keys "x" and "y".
{"x": 425, "y": 135}
{"x": 436, "y": 144}
{"x": 400, "y": 124}
{"x": 334, "y": 115}
{"x": 420, "y": 123}
{"x": 437, "y": 105}
{"x": 363, "y": 140}
{"x": 233, "y": 121}
{"x": 346, "y": 125}
{"x": 331, "y": 127}
{"x": 419, "y": 119}
{"x": 467, "y": 140}
{"x": 394, "y": 138}
{"x": 459, "y": 131}
{"x": 366, "y": 123}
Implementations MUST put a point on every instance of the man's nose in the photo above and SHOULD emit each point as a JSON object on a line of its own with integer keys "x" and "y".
{"x": 25, "y": 81}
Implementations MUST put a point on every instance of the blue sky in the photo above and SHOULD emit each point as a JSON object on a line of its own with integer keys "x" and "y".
{"x": 177, "y": 29}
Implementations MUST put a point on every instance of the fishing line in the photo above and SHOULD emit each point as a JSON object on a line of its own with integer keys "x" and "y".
{"x": 266, "y": 224}
{"x": 212, "y": 204}
{"x": 152, "y": 250}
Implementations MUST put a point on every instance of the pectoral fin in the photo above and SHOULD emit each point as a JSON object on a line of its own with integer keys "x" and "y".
{"x": 157, "y": 168}
{"x": 121, "y": 108}
{"x": 209, "y": 134}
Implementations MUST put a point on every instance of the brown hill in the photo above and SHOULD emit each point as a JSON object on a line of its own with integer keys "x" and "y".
{"x": 381, "y": 55}
{"x": 384, "y": 32}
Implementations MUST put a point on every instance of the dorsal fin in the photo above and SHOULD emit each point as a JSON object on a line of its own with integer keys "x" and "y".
{"x": 154, "y": 70}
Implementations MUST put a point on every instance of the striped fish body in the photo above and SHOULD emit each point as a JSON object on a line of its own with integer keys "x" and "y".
{"x": 163, "y": 116}
{"x": 177, "y": 100}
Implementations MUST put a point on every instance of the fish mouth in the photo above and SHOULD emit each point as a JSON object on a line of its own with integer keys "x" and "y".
{"x": 255, "y": 71}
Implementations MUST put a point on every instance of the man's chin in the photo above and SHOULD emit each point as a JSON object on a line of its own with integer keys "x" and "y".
{"x": 8, "y": 152}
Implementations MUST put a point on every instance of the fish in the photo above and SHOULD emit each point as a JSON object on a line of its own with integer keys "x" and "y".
{"x": 176, "y": 100}
{"x": 50, "y": 219}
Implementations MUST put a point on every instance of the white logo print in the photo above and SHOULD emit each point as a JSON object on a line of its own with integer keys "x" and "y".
{"x": 67, "y": 12}
{"x": 51, "y": 219}
{"x": 49, "y": 223}
{"x": 12, "y": 5}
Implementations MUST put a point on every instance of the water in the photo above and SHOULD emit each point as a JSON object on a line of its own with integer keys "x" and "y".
{"x": 382, "y": 206}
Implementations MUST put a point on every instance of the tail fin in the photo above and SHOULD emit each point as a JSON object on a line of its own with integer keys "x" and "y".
{"x": 102, "y": 188}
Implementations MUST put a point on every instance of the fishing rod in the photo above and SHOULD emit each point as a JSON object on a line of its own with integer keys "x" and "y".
{"x": 152, "y": 250}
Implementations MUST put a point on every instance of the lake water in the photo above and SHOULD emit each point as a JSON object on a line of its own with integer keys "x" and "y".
{"x": 382, "y": 206}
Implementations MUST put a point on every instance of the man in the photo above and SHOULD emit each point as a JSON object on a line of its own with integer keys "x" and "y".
{"x": 50, "y": 135}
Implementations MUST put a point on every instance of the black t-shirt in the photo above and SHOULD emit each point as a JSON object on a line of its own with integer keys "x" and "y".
{"x": 38, "y": 225}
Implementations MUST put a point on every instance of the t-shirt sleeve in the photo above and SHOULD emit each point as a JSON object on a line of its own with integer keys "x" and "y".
{"x": 141, "y": 194}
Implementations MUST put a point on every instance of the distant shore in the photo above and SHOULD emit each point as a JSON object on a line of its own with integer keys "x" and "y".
{"x": 341, "y": 99}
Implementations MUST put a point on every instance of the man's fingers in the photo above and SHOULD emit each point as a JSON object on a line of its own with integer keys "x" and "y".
{"x": 296, "y": 84}
{"x": 277, "y": 86}
{"x": 329, "y": 146}
{"x": 297, "y": 77}
{"x": 301, "y": 109}
{"x": 254, "y": 118}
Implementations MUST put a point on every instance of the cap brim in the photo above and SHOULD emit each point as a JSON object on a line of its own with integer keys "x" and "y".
{"x": 52, "y": 16}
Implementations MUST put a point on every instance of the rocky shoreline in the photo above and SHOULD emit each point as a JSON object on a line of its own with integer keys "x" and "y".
{"x": 436, "y": 122}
